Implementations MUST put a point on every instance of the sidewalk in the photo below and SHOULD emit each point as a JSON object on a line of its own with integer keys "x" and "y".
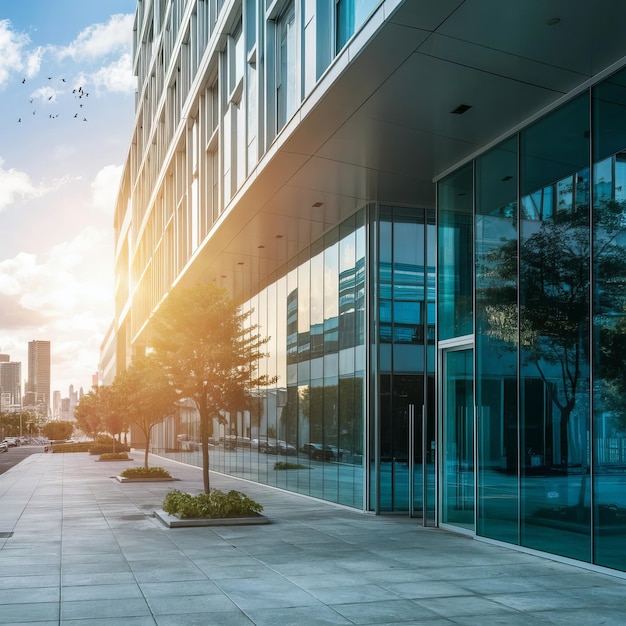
{"x": 78, "y": 547}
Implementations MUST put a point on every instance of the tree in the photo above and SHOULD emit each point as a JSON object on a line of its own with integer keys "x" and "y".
{"x": 200, "y": 338}
{"x": 89, "y": 411}
{"x": 145, "y": 392}
{"x": 113, "y": 415}
{"x": 58, "y": 430}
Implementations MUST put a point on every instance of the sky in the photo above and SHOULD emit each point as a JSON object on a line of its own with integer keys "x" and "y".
{"x": 66, "y": 115}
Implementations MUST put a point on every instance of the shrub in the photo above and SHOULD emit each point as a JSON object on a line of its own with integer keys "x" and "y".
{"x": 214, "y": 505}
{"x": 81, "y": 446}
{"x": 145, "y": 472}
{"x": 105, "y": 448}
{"x": 114, "y": 456}
{"x": 285, "y": 465}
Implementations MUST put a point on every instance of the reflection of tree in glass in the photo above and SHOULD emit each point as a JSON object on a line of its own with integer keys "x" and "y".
{"x": 554, "y": 278}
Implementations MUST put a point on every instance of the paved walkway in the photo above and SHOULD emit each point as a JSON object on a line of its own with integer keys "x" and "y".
{"x": 85, "y": 549}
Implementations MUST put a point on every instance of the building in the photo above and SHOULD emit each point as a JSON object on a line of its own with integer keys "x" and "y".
{"x": 10, "y": 384}
{"x": 422, "y": 204}
{"x": 37, "y": 389}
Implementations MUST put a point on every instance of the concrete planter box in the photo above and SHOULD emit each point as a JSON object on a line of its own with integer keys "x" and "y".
{"x": 122, "y": 479}
{"x": 175, "y": 522}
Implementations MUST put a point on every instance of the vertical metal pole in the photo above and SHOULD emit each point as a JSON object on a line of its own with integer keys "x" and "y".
{"x": 425, "y": 444}
{"x": 411, "y": 463}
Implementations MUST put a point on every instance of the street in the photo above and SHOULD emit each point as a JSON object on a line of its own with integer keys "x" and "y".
{"x": 14, "y": 455}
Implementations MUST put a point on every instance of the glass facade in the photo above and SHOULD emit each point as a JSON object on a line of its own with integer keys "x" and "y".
{"x": 404, "y": 343}
{"x": 548, "y": 211}
{"x": 315, "y": 314}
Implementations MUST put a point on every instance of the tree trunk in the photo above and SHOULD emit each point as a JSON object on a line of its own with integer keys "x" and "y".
{"x": 204, "y": 438}
{"x": 563, "y": 433}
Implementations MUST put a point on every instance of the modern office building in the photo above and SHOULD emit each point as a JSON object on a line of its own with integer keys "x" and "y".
{"x": 422, "y": 206}
{"x": 37, "y": 389}
{"x": 11, "y": 384}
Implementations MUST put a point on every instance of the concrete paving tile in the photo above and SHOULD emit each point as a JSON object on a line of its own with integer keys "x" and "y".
{"x": 105, "y": 609}
{"x": 100, "y": 592}
{"x": 583, "y": 617}
{"x": 255, "y": 593}
{"x": 169, "y": 574}
{"x": 97, "y": 578}
{"x": 297, "y": 616}
{"x": 464, "y": 605}
{"x": 187, "y": 587}
{"x": 30, "y": 582}
{"x": 542, "y": 600}
{"x": 426, "y": 589}
{"x": 391, "y": 611}
{"x": 509, "y": 619}
{"x": 346, "y": 594}
{"x": 221, "y": 618}
{"x": 179, "y": 605}
{"x": 28, "y": 595}
{"x": 29, "y": 613}
{"x": 313, "y": 581}
{"x": 105, "y": 621}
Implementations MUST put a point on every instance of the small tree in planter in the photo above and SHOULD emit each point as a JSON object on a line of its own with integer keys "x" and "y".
{"x": 201, "y": 340}
{"x": 145, "y": 390}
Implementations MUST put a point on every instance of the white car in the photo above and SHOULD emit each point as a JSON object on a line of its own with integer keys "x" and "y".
{"x": 3, "y": 446}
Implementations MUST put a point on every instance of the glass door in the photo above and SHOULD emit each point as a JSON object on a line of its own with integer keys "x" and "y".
{"x": 458, "y": 427}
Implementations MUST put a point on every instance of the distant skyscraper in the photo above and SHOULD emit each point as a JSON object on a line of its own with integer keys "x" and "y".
{"x": 11, "y": 383}
{"x": 38, "y": 383}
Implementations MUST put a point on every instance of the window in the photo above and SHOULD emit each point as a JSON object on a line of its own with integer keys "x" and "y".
{"x": 286, "y": 66}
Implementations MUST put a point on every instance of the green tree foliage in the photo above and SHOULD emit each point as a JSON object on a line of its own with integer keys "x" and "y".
{"x": 144, "y": 392}
{"x": 199, "y": 336}
{"x": 113, "y": 412}
{"x": 89, "y": 412}
{"x": 58, "y": 430}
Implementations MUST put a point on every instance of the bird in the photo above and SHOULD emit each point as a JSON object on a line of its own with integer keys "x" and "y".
{"x": 19, "y": 119}
{"x": 50, "y": 98}
{"x": 31, "y": 101}
{"x": 23, "y": 80}
{"x": 75, "y": 114}
{"x": 84, "y": 119}
{"x": 49, "y": 77}
{"x": 63, "y": 79}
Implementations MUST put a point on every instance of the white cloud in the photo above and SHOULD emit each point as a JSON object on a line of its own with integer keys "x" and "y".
{"x": 15, "y": 184}
{"x": 45, "y": 94}
{"x": 65, "y": 298}
{"x": 117, "y": 76}
{"x": 105, "y": 187}
{"x": 33, "y": 61}
{"x": 100, "y": 40}
{"x": 11, "y": 46}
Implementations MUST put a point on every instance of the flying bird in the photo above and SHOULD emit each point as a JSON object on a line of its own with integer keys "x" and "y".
{"x": 23, "y": 80}
{"x": 19, "y": 119}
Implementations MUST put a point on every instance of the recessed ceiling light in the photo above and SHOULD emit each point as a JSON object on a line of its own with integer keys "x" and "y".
{"x": 260, "y": 247}
{"x": 317, "y": 204}
{"x": 240, "y": 263}
{"x": 462, "y": 108}
{"x": 553, "y": 21}
{"x": 279, "y": 236}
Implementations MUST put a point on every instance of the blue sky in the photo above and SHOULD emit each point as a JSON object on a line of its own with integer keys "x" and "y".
{"x": 61, "y": 155}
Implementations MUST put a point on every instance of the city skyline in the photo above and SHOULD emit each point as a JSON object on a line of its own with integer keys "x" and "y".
{"x": 67, "y": 90}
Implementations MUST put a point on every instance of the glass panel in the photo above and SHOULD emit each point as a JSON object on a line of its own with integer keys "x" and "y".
{"x": 609, "y": 322}
{"x": 454, "y": 233}
{"x": 496, "y": 342}
{"x": 286, "y": 79}
{"x": 554, "y": 330}
{"x": 458, "y": 439}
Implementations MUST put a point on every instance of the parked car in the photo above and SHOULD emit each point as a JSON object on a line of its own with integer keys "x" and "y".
{"x": 12, "y": 442}
{"x": 3, "y": 446}
{"x": 286, "y": 448}
{"x": 318, "y": 452}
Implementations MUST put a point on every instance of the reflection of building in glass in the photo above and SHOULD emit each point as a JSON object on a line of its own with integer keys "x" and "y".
{"x": 287, "y": 152}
